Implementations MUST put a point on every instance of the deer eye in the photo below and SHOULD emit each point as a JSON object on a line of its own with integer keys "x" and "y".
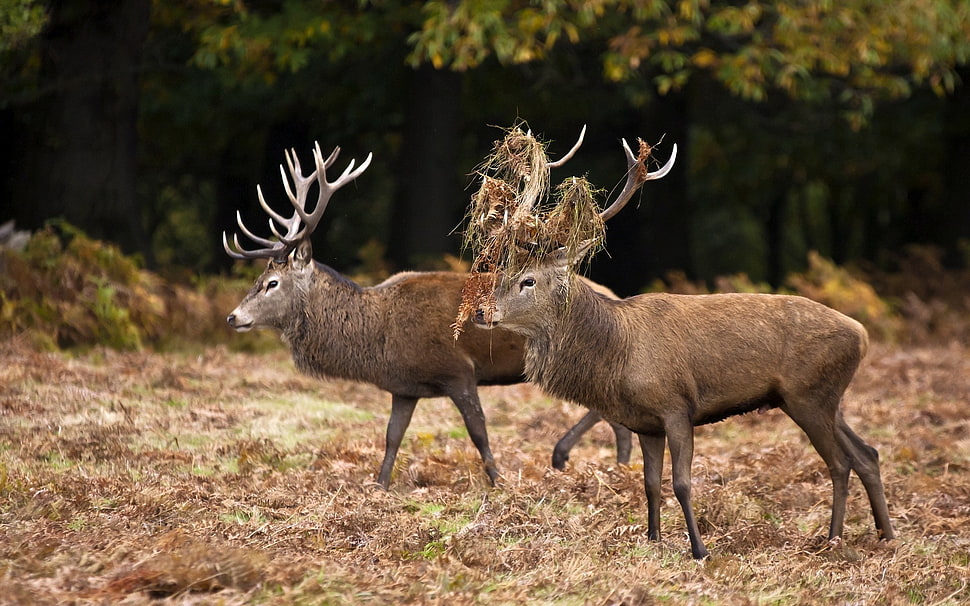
{"x": 527, "y": 283}
{"x": 272, "y": 284}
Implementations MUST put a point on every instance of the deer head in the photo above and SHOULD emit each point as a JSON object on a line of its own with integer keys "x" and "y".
{"x": 547, "y": 272}
{"x": 276, "y": 294}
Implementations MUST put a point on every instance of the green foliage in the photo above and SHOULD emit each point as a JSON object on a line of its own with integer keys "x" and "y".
{"x": 462, "y": 35}
{"x": 65, "y": 290}
{"x": 855, "y": 51}
{"x": 20, "y": 21}
{"x": 258, "y": 44}
{"x": 75, "y": 290}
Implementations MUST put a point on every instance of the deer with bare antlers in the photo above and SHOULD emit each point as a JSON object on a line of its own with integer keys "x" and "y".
{"x": 660, "y": 364}
{"x": 336, "y": 328}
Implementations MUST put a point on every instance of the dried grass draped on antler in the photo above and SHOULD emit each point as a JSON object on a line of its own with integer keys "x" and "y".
{"x": 514, "y": 221}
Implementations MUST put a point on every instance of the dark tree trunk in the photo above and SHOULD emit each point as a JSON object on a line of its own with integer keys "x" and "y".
{"x": 429, "y": 201}
{"x": 956, "y": 226}
{"x": 775, "y": 233}
{"x": 78, "y": 159}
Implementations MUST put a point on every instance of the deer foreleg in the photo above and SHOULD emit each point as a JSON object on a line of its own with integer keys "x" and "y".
{"x": 402, "y": 408}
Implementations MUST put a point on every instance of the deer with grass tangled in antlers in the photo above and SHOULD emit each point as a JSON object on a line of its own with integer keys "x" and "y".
{"x": 336, "y": 328}
{"x": 659, "y": 364}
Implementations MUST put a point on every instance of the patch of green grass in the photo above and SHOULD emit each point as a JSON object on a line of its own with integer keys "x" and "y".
{"x": 244, "y": 517}
{"x": 205, "y": 472}
{"x": 292, "y": 418}
{"x": 428, "y": 510}
{"x": 77, "y": 524}
{"x": 433, "y": 550}
{"x": 104, "y": 504}
{"x": 458, "y": 432}
{"x": 915, "y": 596}
{"x": 59, "y": 462}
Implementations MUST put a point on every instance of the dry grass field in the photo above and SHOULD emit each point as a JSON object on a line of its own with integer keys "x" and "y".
{"x": 215, "y": 477}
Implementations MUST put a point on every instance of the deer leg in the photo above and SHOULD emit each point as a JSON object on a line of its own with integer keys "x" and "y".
{"x": 680, "y": 438}
{"x": 402, "y": 408}
{"x": 560, "y": 454}
{"x": 822, "y": 431}
{"x": 652, "y": 447}
{"x": 624, "y": 442}
{"x": 865, "y": 462}
{"x": 471, "y": 411}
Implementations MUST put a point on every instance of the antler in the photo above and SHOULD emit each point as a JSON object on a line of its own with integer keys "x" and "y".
{"x": 302, "y": 223}
{"x": 636, "y": 175}
{"x": 572, "y": 152}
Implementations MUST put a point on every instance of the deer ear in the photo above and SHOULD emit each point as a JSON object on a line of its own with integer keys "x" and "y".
{"x": 303, "y": 255}
{"x": 564, "y": 258}
{"x": 581, "y": 250}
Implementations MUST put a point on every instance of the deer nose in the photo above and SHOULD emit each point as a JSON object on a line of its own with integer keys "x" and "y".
{"x": 479, "y": 316}
{"x": 231, "y": 320}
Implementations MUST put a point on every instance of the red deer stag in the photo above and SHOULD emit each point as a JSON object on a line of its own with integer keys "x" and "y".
{"x": 336, "y": 328}
{"x": 659, "y": 364}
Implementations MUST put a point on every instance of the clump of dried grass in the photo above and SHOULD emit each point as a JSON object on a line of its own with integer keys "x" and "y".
{"x": 514, "y": 220}
{"x": 182, "y": 563}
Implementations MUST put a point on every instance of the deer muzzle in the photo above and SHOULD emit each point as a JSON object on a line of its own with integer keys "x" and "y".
{"x": 239, "y": 321}
{"x": 487, "y": 319}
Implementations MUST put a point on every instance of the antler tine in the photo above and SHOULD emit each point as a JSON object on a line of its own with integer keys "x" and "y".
{"x": 634, "y": 179}
{"x": 298, "y": 200}
{"x": 229, "y": 250}
{"x": 333, "y": 155}
{"x": 571, "y": 153}
{"x": 275, "y": 216}
{"x": 327, "y": 188}
{"x": 241, "y": 253}
{"x": 270, "y": 248}
{"x": 663, "y": 170}
{"x": 257, "y": 239}
{"x": 285, "y": 238}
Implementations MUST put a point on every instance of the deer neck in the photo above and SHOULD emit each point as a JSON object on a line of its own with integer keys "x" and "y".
{"x": 570, "y": 355}
{"x": 337, "y": 328}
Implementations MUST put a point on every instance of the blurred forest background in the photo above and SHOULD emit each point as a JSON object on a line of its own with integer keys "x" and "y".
{"x": 841, "y": 127}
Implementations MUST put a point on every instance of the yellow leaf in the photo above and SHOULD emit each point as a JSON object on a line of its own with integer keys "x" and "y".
{"x": 705, "y": 58}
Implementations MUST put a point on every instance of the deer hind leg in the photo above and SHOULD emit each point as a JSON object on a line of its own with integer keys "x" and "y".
{"x": 402, "y": 408}
{"x": 819, "y": 424}
{"x": 471, "y": 412}
{"x": 624, "y": 442}
{"x": 865, "y": 462}
{"x": 560, "y": 454}
{"x": 652, "y": 447}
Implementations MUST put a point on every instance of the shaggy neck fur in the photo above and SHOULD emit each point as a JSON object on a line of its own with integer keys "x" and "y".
{"x": 334, "y": 328}
{"x": 570, "y": 355}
